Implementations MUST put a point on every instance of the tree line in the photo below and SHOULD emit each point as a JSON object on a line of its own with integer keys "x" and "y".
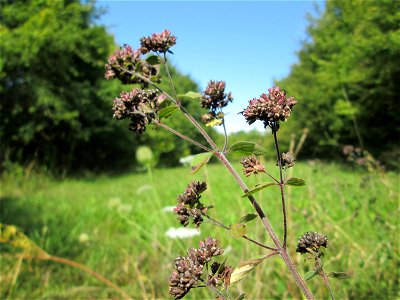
{"x": 55, "y": 109}
{"x": 347, "y": 79}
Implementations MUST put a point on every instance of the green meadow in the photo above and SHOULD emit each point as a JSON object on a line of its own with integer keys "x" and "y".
{"x": 116, "y": 226}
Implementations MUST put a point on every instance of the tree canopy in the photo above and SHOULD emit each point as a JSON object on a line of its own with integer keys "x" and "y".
{"x": 55, "y": 105}
{"x": 347, "y": 78}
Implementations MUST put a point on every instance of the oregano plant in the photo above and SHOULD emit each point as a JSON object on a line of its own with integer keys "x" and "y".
{"x": 150, "y": 104}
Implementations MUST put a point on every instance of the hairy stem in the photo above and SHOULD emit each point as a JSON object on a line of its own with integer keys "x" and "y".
{"x": 225, "y": 136}
{"x": 282, "y": 186}
{"x": 325, "y": 278}
{"x": 259, "y": 244}
{"x": 170, "y": 77}
{"x": 214, "y": 289}
{"x": 199, "y": 128}
{"x": 184, "y": 137}
{"x": 217, "y": 223}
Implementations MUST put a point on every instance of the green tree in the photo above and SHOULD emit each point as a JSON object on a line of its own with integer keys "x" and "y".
{"x": 53, "y": 96}
{"x": 348, "y": 72}
{"x": 56, "y": 106}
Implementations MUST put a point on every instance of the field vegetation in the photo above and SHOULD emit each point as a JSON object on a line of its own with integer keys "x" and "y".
{"x": 117, "y": 226}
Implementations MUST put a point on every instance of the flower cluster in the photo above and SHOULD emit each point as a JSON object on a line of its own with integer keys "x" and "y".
{"x": 189, "y": 205}
{"x": 214, "y": 98}
{"x": 125, "y": 63}
{"x": 188, "y": 270}
{"x": 157, "y": 42}
{"x": 270, "y": 108}
{"x": 311, "y": 240}
{"x": 139, "y": 106}
{"x": 251, "y": 165}
{"x": 287, "y": 160}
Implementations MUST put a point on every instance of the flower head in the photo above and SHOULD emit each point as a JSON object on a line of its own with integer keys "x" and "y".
{"x": 270, "y": 108}
{"x": 189, "y": 269}
{"x": 287, "y": 160}
{"x": 139, "y": 106}
{"x": 157, "y": 42}
{"x": 125, "y": 62}
{"x": 251, "y": 165}
{"x": 215, "y": 97}
{"x": 189, "y": 205}
{"x": 311, "y": 240}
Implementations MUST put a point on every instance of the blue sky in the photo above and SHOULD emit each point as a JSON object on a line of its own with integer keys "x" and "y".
{"x": 247, "y": 44}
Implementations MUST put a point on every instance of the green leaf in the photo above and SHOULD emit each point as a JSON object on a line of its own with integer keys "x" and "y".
{"x": 247, "y": 148}
{"x": 339, "y": 275}
{"x": 238, "y": 230}
{"x": 190, "y": 95}
{"x": 244, "y": 268}
{"x": 247, "y": 218}
{"x": 295, "y": 181}
{"x": 153, "y": 60}
{"x": 167, "y": 111}
{"x": 310, "y": 274}
{"x": 257, "y": 188}
{"x": 198, "y": 161}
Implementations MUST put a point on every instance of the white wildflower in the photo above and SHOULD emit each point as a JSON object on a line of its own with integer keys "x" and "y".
{"x": 182, "y": 233}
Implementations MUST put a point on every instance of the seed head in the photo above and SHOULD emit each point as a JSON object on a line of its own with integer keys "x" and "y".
{"x": 251, "y": 165}
{"x": 189, "y": 205}
{"x": 157, "y": 42}
{"x": 137, "y": 105}
{"x": 287, "y": 160}
{"x": 269, "y": 108}
{"x": 189, "y": 269}
{"x": 214, "y": 96}
{"x": 311, "y": 240}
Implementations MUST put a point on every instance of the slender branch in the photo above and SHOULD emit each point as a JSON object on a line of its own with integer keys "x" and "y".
{"x": 217, "y": 223}
{"x": 295, "y": 274}
{"x": 271, "y": 254}
{"x": 325, "y": 278}
{"x": 199, "y": 128}
{"x": 79, "y": 266}
{"x": 169, "y": 76}
{"x": 213, "y": 288}
{"x": 272, "y": 177}
{"x": 259, "y": 244}
{"x": 158, "y": 123}
{"x": 225, "y": 136}
{"x": 281, "y": 185}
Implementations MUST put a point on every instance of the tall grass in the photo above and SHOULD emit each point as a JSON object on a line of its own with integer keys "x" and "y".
{"x": 116, "y": 226}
